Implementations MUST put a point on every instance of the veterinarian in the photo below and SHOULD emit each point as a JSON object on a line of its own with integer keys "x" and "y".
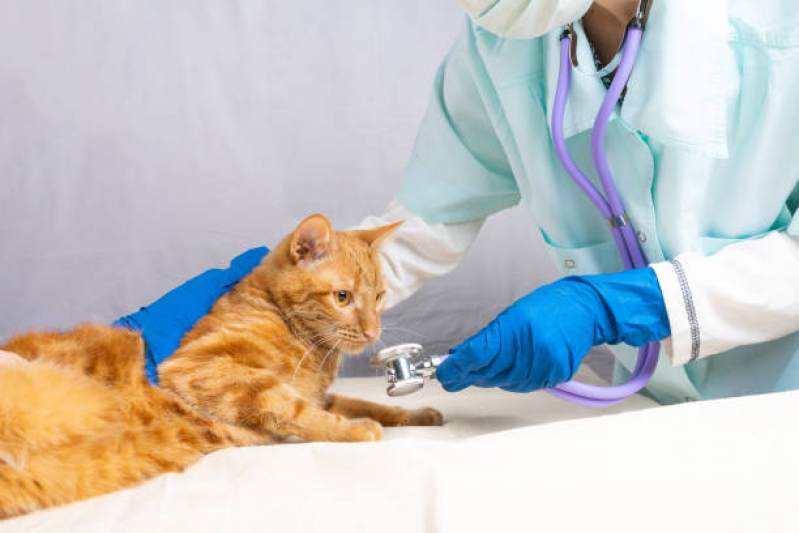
{"x": 704, "y": 152}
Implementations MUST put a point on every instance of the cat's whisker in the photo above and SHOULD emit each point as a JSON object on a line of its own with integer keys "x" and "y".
{"x": 394, "y": 337}
{"x": 397, "y": 328}
{"x": 308, "y": 351}
{"x": 322, "y": 364}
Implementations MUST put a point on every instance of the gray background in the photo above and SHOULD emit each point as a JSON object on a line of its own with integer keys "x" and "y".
{"x": 142, "y": 142}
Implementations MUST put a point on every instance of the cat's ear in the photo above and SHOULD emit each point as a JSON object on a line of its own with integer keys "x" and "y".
{"x": 374, "y": 237}
{"x": 312, "y": 240}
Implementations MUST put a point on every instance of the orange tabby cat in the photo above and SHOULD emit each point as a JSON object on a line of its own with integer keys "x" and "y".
{"x": 80, "y": 418}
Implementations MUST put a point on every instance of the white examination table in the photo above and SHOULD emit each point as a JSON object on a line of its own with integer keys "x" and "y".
{"x": 502, "y": 462}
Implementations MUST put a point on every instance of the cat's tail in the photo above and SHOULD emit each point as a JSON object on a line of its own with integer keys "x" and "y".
{"x": 65, "y": 437}
{"x": 43, "y": 406}
{"x": 96, "y": 466}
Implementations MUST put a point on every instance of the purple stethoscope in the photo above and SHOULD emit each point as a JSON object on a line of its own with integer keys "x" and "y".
{"x": 406, "y": 366}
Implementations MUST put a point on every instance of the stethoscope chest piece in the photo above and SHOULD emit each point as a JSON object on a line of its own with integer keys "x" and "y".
{"x": 405, "y": 366}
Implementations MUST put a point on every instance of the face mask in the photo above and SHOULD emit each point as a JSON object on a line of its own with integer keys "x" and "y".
{"x": 524, "y": 19}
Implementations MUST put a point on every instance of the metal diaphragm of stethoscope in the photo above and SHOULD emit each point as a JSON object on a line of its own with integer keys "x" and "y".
{"x": 406, "y": 366}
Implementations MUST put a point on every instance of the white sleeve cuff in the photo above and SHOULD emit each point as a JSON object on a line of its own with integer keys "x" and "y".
{"x": 747, "y": 293}
{"x": 685, "y": 341}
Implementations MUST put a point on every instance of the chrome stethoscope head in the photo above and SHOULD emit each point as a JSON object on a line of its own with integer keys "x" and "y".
{"x": 406, "y": 366}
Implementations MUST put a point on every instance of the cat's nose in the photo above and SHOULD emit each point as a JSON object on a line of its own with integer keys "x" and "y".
{"x": 371, "y": 333}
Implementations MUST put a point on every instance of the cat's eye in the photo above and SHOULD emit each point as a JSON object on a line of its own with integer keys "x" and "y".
{"x": 342, "y": 298}
{"x": 379, "y": 296}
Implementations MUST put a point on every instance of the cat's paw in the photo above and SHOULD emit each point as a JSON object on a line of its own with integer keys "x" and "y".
{"x": 426, "y": 416}
{"x": 365, "y": 430}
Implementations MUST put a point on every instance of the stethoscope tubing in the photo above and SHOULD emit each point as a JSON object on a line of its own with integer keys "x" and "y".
{"x": 610, "y": 206}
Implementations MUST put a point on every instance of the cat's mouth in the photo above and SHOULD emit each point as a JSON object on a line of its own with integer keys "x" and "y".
{"x": 352, "y": 341}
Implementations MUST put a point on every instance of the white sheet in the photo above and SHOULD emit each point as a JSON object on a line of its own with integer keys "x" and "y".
{"x": 501, "y": 462}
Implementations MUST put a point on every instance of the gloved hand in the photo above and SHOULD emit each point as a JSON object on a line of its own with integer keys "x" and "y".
{"x": 540, "y": 340}
{"x": 164, "y": 322}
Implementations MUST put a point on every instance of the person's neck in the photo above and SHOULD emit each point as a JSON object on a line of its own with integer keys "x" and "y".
{"x": 604, "y": 24}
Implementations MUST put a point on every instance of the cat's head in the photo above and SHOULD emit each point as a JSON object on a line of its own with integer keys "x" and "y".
{"x": 329, "y": 284}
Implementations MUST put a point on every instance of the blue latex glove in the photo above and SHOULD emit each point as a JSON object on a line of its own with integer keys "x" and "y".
{"x": 540, "y": 340}
{"x": 164, "y": 322}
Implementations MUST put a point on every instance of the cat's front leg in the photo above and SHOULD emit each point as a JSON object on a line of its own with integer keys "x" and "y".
{"x": 258, "y": 400}
{"x": 294, "y": 415}
{"x": 387, "y": 415}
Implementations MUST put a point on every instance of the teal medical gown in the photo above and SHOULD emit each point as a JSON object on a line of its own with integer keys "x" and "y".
{"x": 704, "y": 151}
